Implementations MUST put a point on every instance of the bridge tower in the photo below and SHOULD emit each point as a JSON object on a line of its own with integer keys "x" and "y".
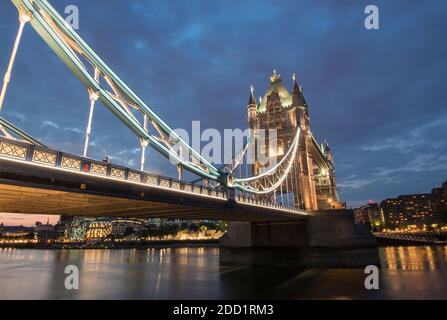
{"x": 311, "y": 183}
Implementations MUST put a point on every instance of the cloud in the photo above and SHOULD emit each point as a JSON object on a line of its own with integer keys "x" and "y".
{"x": 48, "y": 123}
{"x": 414, "y": 138}
{"x": 418, "y": 163}
{"x": 353, "y": 182}
{"x": 74, "y": 130}
{"x": 16, "y": 116}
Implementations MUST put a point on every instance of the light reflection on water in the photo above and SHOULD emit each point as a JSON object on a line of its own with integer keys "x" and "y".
{"x": 414, "y": 258}
{"x": 195, "y": 273}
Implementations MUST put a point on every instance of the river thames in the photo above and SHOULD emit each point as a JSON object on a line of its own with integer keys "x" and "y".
{"x": 194, "y": 273}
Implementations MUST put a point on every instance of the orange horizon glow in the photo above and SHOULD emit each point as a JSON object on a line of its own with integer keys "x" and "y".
{"x": 26, "y": 220}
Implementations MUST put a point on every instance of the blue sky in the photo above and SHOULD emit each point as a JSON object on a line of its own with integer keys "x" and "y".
{"x": 378, "y": 97}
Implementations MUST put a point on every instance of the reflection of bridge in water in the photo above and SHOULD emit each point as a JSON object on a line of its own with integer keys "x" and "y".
{"x": 37, "y": 179}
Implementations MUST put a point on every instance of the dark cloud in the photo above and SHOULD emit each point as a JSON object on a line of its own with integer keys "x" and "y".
{"x": 377, "y": 96}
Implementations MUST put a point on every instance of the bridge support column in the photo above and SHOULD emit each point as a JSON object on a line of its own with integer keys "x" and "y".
{"x": 93, "y": 96}
{"x": 328, "y": 239}
{"x": 24, "y": 17}
{"x": 144, "y": 144}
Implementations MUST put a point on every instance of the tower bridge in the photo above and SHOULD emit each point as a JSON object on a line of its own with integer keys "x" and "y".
{"x": 38, "y": 179}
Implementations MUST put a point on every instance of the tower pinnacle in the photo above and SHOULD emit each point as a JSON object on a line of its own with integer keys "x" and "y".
{"x": 275, "y": 77}
{"x": 252, "y": 106}
{"x": 252, "y": 100}
{"x": 295, "y": 84}
{"x": 297, "y": 94}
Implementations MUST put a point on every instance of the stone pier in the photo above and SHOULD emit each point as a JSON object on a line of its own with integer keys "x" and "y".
{"x": 323, "y": 239}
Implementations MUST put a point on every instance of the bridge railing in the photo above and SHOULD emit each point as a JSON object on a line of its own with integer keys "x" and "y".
{"x": 262, "y": 203}
{"x": 23, "y": 151}
{"x": 47, "y": 157}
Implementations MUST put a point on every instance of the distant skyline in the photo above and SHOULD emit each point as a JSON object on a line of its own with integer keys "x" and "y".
{"x": 25, "y": 219}
{"x": 378, "y": 97}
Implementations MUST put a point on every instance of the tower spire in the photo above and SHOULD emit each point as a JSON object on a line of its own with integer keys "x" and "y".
{"x": 296, "y": 88}
{"x": 297, "y": 95}
{"x": 252, "y": 106}
{"x": 252, "y": 100}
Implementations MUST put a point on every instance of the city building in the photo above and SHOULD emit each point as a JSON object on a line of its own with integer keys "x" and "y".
{"x": 98, "y": 229}
{"x": 312, "y": 184}
{"x": 44, "y": 232}
{"x": 369, "y": 215}
{"x": 76, "y": 228}
{"x": 119, "y": 226}
{"x": 416, "y": 211}
{"x": 15, "y": 231}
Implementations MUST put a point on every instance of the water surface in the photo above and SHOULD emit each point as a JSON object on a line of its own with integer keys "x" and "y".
{"x": 194, "y": 273}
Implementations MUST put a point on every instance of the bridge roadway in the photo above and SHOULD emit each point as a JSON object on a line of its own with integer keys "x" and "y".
{"x": 39, "y": 180}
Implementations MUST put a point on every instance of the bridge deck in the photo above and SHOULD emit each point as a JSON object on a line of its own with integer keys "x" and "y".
{"x": 36, "y": 180}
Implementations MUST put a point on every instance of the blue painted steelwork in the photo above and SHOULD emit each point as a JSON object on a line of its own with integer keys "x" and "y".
{"x": 120, "y": 99}
{"x": 70, "y": 48}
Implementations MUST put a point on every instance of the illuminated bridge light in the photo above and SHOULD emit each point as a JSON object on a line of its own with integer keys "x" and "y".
{"x": 98, "y": 169}
{"x": 47, "y": 158}
{"x": 134, "y": 176}
{"x": 118, "y": 173}
{"x": 152, "y": 180}
{"x": 71, "y": 163}
{"x": 13, "y": 150}
{"x": 197, "y": 190}
{"x": 164, "y": 183}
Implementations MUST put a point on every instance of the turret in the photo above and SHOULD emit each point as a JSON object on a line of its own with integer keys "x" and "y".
{"x": 328, "y": 152}
{"x": 297, "y": 95}
{"x": 252, "y": 106}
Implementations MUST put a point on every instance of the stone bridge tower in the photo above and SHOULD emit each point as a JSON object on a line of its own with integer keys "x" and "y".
{"x": 311, "y": 183}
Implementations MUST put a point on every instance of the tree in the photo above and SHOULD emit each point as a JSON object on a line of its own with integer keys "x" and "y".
{"x": 443, "y": 215}
{"x": 143, "y": 233}
{"x": 222, "y": 226}
{"x": 129, "y": 231}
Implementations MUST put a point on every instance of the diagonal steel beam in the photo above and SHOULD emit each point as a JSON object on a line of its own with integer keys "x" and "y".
{"x": 18, "y": 132}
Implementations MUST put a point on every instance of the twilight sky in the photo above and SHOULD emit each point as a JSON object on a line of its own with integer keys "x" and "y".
{"x": 378, "y": 97}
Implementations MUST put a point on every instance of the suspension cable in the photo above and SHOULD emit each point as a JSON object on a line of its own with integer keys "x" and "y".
{"x": 273, "y": 169}
{"x": 277, "y": 184}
